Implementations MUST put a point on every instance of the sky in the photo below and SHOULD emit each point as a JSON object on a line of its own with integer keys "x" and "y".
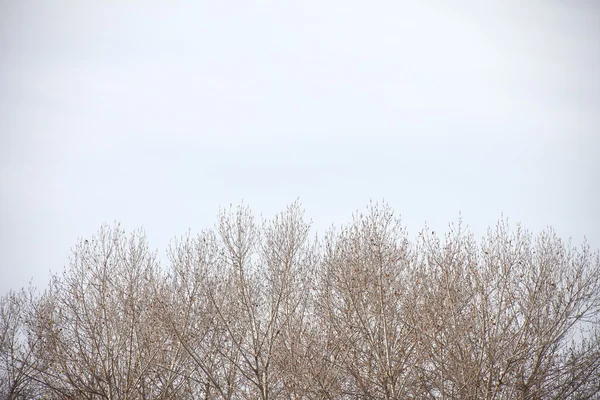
{"x": 156, "y": 113}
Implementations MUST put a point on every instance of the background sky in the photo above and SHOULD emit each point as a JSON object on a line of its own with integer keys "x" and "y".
{"x": 156, "y": 113}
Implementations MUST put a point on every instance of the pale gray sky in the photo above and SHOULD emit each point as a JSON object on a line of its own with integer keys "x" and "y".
{"x": 156, "y": 113}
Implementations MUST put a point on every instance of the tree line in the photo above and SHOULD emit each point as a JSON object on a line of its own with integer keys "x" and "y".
{"x": 262, "y": 310}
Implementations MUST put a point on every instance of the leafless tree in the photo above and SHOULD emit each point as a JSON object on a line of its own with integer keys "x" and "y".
{"x": 270, "y": 268}
{"x": 368, "y": 298}
{"x": 95, "y": 324}
{"x": 498, "y": 321}
{"x": 16, "y": 353}
{"x": 196, "y": 288}
{"x": 243, "y": 294}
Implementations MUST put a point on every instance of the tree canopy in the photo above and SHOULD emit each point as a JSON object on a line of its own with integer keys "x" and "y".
{"x": 261, "y": 309}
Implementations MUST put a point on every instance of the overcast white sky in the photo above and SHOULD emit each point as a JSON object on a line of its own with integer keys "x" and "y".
{"x": 155, "y": 113}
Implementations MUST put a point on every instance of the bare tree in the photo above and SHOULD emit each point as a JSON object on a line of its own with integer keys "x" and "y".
{"x": 196, "y": 288}
{"x": 498, "y": 321}
{"x": 241, "y": 300}
{"x": 368, "y": 267}
{"x": 269, "y": 270}
{"x": 16, "y": 352}
{"x": 95, "y": 324}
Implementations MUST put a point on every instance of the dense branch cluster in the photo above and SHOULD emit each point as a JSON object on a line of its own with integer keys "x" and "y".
{"x": 260, "y": 310}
